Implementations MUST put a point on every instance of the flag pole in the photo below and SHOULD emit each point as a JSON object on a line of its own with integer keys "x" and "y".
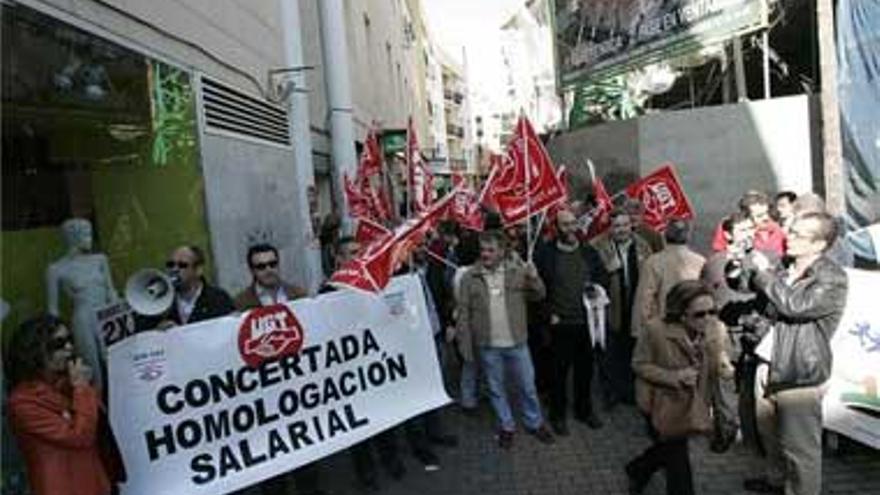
{"x": 592, "y": 170}
{"x": 537, "y": 234}
{"x": 439, "y": 258}
{"x": 528, "y": 186}
{"x": 409, "y": 172}
{"x": 485, "y": 188}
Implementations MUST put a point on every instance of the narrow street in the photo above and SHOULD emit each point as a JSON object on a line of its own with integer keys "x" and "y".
{"x": 586, "y": 462}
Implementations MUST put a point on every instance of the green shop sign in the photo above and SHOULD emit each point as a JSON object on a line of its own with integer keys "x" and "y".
{"x": 598, "y": 39}
{"x": 393, "y": 141}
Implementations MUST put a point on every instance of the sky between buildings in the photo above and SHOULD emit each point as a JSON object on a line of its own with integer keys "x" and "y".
{"x": 474, "y": 25}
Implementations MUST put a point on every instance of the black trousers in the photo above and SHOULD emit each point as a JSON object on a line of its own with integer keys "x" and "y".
{"x": 620, "y": 352}
{"x": 304, "y": 478}
{"x": 571, "y": 349}
{"x": 670, "y": 455}
{"x": 541, "y": 351}
{"x": 362, "y": 455}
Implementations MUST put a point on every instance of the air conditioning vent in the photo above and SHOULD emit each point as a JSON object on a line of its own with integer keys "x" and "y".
{"x": 231, "y": 112}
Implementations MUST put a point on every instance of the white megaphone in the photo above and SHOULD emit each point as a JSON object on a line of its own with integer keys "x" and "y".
{"x": 149, "y": 292}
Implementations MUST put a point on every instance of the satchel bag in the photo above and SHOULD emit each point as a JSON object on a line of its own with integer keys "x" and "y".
{"x": 679, "y": 413}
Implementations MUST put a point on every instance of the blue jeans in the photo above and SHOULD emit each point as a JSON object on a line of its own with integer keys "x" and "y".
{"x": 515, "y": 363}
{"x": 469, "y": 386}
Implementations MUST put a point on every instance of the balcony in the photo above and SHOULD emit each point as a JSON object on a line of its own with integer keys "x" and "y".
{"x": 453, "y": 96}
{"x": 455, "y": 130}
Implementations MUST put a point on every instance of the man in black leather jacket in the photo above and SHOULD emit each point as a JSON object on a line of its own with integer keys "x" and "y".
{"x": 804, "y": 304}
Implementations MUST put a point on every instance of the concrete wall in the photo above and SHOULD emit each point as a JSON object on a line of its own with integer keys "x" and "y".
{"x": 613, "y": 149}
{"x": 719, "y": 152}
{"x": 251, "y": 197}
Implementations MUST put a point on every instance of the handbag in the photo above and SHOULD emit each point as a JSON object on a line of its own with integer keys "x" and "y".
{"x": 677, "y": 413}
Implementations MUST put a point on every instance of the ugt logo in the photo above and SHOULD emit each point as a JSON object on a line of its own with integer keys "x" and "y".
{"x": 269, "y": 332}
{"x": 658, "y": 199}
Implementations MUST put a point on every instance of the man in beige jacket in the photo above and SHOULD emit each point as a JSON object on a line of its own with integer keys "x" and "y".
{"x": 661, "y": 271}
{"x": 492, "y": 314}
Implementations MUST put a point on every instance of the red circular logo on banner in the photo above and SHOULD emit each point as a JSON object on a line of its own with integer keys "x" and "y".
{"x": 268, "y": 333}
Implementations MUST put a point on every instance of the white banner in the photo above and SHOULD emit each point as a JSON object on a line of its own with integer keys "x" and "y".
{"x": 852, "y": 403}
{"x": 216, "y": 406}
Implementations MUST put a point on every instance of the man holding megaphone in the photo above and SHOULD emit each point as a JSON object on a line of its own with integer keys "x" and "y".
{"x": 194, "y": 299}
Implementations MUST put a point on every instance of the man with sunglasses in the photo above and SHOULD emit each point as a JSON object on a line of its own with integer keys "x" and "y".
{"x": 194, "y": 300}
{"x": 267, "y": 287}
{"x": 804, "y": 302}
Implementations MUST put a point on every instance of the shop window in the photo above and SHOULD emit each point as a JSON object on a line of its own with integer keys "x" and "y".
{"x": 96, "y": 131}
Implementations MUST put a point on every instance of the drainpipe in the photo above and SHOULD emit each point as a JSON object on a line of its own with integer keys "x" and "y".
{"x": 306, "y": 244}
{"x": 338, "y": 81}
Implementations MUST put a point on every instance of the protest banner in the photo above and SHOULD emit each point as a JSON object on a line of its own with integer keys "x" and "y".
{"x": 851, "y": 405}
{"x": 219, "y": 405}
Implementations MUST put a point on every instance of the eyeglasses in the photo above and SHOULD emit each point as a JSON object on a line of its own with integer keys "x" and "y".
{"x": 702, "y": 314}
{"x": 796, "y": 234}
{"x": 181, "y": 265}
{"x": 58, "y": 343}
{"x": 264, "y": 265}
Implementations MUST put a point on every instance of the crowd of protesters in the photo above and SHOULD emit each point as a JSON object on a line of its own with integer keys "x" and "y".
{"x": 661, "y": 328}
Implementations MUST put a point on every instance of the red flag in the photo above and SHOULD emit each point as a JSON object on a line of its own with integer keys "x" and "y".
{"x": 597, "y": 220}
{"x": 369, "y": 231}
{"x": 518, "y": 192}
{"x": 548, "y": 228}
{"x": 353, "y": 274}
{"x": 358, "y": 205}
{"x": 384, "y": 205}
{"x": 373, "y": 267}
{"x": 465, "y": 208}
{"x": 378, "y": 206}
{"x": 496, "y": 163}
{"x": 458, "y": 179}
{"x": 388, "y": 255}
{"x": 421, "y": 180}
{"x": 662, "y": 196}
{"x": 371, "y": 158}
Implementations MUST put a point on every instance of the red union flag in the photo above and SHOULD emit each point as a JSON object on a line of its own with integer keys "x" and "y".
{"x": 465, "y": 209}
{"x": 369, "y": 231}
{"x": 376, "y": 201}
{"x": 662, "y": 196}
{"x": 353, "y": 274}
{"x": 371, "y": 159}
{"x": 597, "y": 220}
{"x": 358, "y": 205}
{"x": 519, "y": 192}
{"x": 548, "y": 228}
{"x": 373, "y": 267}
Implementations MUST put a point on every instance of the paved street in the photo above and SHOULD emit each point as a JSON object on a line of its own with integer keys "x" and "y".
{"x": 585, "y": 462}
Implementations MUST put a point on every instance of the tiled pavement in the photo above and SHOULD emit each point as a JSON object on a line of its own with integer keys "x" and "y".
{"x": 586, "y": 462}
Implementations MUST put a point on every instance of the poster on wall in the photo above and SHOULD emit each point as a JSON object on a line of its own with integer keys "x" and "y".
{"x": 601, "y": 38}
{"x": 216, "y": 406}
{"x": 851, "y": 405}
